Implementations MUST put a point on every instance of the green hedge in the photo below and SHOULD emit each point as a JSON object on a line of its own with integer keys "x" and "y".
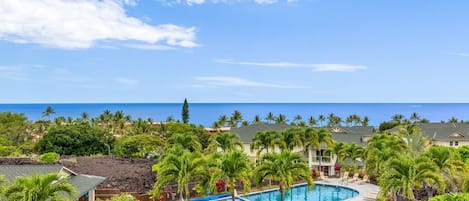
{"x": 451, "y": 197}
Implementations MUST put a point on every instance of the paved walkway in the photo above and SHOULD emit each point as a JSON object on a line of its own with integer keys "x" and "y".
{"x": 367, "y": 191}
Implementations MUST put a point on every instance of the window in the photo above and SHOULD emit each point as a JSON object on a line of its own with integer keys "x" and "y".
{"x": 456, "y": 143}
{"x": 450, "y": 143}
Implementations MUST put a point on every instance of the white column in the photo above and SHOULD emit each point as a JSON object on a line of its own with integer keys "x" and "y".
{"x": 310, "y": 158}
{"x": 91, "y": 195}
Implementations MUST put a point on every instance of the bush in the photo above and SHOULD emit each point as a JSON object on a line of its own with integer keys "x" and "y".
{"x": 79, "y": 140}
{"x": 50, "y": 157}
{"x": 451, "y": 197}
{"x": 123, "y": 197}
{"x": 138, "y": 146}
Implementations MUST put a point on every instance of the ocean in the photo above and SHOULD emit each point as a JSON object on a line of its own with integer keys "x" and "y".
{"x": 206, "y": 113}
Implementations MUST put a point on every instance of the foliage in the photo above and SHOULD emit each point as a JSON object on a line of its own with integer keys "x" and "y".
{"x": 387, "y": 125}
{"x": 181, "y": 166}
{"x": 265, "y": 141}
{"x": 234, "y": 166}
{"x": 404, "y": 174}
{"x": 284, "y": 167}
{"x": 13, "y": 128}
{"x": 79, "y": 139}
{"x": 451, "y": 197}
{"x": 50, "y": 157}
{"x": 138, "y": 146}
{"x": 226, "y": 142}
{"x": 463, "y": 152}
{"x": 185, "y": 112}
{"x": 169, "y": 129}
{"x": 40, "y": 188}
{"x": 123, "y": 197}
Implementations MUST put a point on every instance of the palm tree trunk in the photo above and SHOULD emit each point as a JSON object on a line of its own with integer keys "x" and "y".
{"x": 232, "y": 192}
{"x": 320, "y": 160}
{"x": 181, "y": 195}
{"x": 282, "y": 195}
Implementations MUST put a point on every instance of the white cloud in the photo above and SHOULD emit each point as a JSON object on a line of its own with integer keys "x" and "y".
{"x": 198, "y": 2}
{"x": 226, "y": 81}
{"x": 314, "y": 67}
{"x": 126, "y": 82}
{"x": 149, "y": 47}
{"x": 81, "y": 24}
{"x": 12, "y": 73}
{"x": 461, "y": 54}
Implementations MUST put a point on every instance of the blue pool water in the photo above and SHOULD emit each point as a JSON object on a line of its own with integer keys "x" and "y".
{"x": 301, "y": 193}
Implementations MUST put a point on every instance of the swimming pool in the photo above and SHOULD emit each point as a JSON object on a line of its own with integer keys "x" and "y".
{"x": 321, "y": 192}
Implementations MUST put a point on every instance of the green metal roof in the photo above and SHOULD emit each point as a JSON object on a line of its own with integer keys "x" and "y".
{"x": 82, "y": 183}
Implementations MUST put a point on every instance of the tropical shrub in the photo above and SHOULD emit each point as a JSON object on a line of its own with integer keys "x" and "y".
{"x": 451, "y": 197}
{"x": 50, "y": 157}
{"x": 138, "y": 146}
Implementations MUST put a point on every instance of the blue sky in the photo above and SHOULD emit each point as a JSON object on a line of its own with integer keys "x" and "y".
{"x": 234, "y": 51}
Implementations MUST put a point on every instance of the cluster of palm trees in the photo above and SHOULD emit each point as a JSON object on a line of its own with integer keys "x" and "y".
{"x": 224, "y": 159}
{"x": 37, "y": 188}
{"x": 332, "y": 120}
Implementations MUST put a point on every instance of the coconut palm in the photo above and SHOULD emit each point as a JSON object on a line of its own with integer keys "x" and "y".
{"x": 284, "y": 167}
{"x": 264, "y": 141}
{"x": 48, "y": 112}
{"x": 270, "y": 117}
{"x": 365, "y": 121}
{"x": 414, "y": 117}
{"x": 235, "y": 166}
{"x": 180, "y": 166}
{"x": 85, "y": 116}
{"x": 321, "y": 119}
{"x": 222, "y": 120}
{"x": 237, "y": 117}
{"x": 281, "y": 119}
{"x": 354, "y": 152}
{"x": 417, "y": 143}
{"x": 315, "y": 138}
{"x": 291, "y": 138}
{"x": 187, "y": 140}
{"x": 312, "y": 121}
{"x": 404, "y": 174}
{"x": 380, "y": 148}
{"x": 257, "y": 119}
{"x": 227, "y": 142}
{"x": 453, "y": 120}
{"x": 340, "y": 150}
{"x": 40, "y": 188}
{"x": 297, "y": 118}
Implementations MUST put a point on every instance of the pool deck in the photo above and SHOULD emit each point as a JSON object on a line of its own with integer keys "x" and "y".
{"x": 367, "y": 191}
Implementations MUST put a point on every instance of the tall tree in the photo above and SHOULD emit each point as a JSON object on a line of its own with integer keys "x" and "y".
{"x": 404, "y": 174}
{"x": 257, "y": 119}
{"x": 284, "y": 167}
{"x": 235, "y": 166}
{"x": 227, "y": 142}
{"x": 312, "y": 121}
{"x": 264, "y": 141}
{"x": 180, "y": 166}
{"x": 291, "y": 138}
{"x": 237, "y": 117}
{"x": 321, "y": 119}
{"x": 270, "y": 117}
{"x": 185, "y": 112}
{"x": 314, "y": 138}
{"x": 40, "y": 188}
{"x": 365, "y": 121}
{"x": 48, "y": 112}
{"x": 281, "y": 119}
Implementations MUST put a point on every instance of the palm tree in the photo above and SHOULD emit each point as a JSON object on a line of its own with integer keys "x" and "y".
{"x": 416, "y": 141}
{"x": 321, "y": 119}
{"x": 257, "y": 119}
{"x": 227, "y": 142}
{"x": 49, "y": 110}
{"x": 237, "y": 117}
{"x": 187, "y": 140}
{"x": 281, "y": 119}
{"x": 291, "y": 138}
{"x": 180, "y": 166}
{"x": 222, "y": 120}
{"x": 284, "y": 167}
{"x": 450, "y": 166}
{"x": 381, "y": 148}
{"x": 355, "y": 152}
{"x": 453, "y": 120}
{"x": 405, "y": 174}
{"x": 312, "y": 121}
{"x": 414, "y": 117}
{"x": 235, "y": 166}
{"x": 85, "y": 116}
{"x": 340, "y": 150}
{"x": 365, "y": 121}
{"x": 264, "y": 141}
{"x": 398, "y": 118}
{"x": 315, "y": 138}
{"x": 40, "y": 188}
{"x": 297, "y": 118}
{"x": 270, "y": 117}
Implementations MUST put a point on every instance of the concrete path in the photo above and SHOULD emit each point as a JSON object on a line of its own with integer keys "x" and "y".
{"x": 367, "y": 191}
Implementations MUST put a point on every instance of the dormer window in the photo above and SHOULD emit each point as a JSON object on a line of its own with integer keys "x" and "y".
{"x": 338, "y": 130}
{"x": 456, "y": 135}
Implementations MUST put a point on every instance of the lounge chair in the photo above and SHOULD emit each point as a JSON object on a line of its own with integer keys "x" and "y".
{"x": 363, "y": 180}
{"x": 354, "y": 178}
{"x": 344, "y": 177}
{"x": 323, "y": 177}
